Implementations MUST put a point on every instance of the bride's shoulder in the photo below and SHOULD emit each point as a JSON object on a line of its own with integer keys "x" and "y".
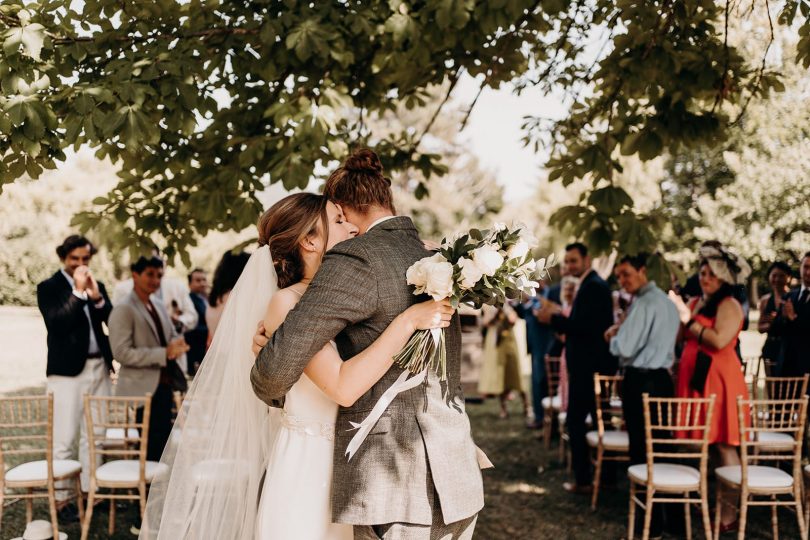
{"x": 280, "y": 304}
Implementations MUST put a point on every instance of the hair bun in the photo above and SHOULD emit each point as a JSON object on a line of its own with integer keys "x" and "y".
{"x": 363, "y": 160}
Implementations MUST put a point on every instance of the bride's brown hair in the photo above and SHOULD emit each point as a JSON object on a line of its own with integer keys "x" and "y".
{"x": 285, "y": 225}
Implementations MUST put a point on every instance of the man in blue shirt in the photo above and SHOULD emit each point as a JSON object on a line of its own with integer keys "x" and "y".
{"x": 538, "y": 339}
{"x": 645, "y": 345}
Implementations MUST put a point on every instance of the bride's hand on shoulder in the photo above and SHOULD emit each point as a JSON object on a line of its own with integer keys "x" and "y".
{"x": 428, "y": 315}
{"x": 259, "y": 339}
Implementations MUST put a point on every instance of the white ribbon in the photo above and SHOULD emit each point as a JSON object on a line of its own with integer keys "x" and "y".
{"x": 364, "y": 428}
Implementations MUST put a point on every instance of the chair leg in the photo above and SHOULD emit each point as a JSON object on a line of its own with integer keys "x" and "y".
{"x": 687, "y": 516}
{"x": 774, "y": 519}
{"x": 631, "y": 514}
{"x": 79, "y": 498}
{"x": 52, "y": 508}
{"x": 799, "y": 515}
{"x": 645, "y": 534}
{"x": 142, "y": 498}
{"x": 547, "y": 429}
{"x": 29, "y": 507}
{"x": 718, "y": 510}
{"x": 88, "y": 515}
{"x": 112, "y": 514}
{"x": 704, "y": 511}
{"x": 2, "y": 502}
{"x": 597, "y": 477}
{"x": 743, "y": 512}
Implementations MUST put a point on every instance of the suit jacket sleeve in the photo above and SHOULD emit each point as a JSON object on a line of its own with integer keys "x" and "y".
{"x": 57, "y": 311}
{"x": 102, "y": 313}
{"x": 586, "y": 323}
{"x": 343, "y": 292}
{"x": 122, "y": 341}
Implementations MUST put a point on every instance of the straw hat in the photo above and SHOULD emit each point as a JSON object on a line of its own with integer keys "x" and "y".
{"x": 40, "y": 530}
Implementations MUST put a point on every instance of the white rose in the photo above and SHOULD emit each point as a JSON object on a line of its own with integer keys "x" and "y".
{"x": 470, "y": 273}
{"x": 417, "y": 275}
{"x": 439, "y": 277}
{"x": 518, "y": 250}
{"x": 487, "y": 259}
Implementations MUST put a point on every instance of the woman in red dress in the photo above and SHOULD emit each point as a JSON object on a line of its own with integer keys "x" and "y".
{"x": 709, "y": 362}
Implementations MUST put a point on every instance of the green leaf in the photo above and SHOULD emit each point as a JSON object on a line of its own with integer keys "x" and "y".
{"x": 610, "y": 200}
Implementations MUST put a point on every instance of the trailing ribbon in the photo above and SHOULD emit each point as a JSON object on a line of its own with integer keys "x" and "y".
{"x": 364, "y": 428}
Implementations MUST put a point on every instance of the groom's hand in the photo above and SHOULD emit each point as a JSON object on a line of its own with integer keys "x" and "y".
{"x": 259, "y": 340}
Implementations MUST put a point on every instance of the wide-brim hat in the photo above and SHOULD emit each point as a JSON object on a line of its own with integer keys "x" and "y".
{"x": 726, "y": 264}
{"x": 40, "y": 530}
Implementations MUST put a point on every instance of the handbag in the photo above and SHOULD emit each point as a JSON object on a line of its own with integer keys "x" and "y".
{"x": 701, "y": 373}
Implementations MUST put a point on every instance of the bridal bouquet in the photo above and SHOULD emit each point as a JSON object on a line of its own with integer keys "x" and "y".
{"x": 476, "y": 267}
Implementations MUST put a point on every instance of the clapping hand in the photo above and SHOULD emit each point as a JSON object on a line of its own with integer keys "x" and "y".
{"x": 789, "y": 310}
{"x": 548, "y": 310}
{"x": 176, "y": 348}
{"x": 612, "y": 331}
{"x": 684, "y": 313}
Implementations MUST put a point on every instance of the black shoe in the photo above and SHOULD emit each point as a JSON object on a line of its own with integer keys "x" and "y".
{"x": 68, "y": 514}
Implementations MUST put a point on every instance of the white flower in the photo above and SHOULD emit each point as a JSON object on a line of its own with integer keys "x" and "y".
{"x": 417, "y": 275}
{"x": 527, "y": 286}
{"x": 470, "y": 273}
{"x": 518, "y": 250}
{"x": 498, "y": 226}
{"x": 487, "y": 259}
{"x": 439, "y": 273}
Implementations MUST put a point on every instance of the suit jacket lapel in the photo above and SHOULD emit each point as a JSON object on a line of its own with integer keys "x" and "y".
{"x": 141, "y": 308}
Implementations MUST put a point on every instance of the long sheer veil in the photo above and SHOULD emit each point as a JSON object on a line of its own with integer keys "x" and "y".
{"x": 218, "y": 448}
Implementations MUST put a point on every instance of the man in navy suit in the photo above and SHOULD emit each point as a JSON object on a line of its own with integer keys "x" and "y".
{"x": 586, "y": 353}
{"x": 197, "y": 338}
{"x": 538, "y": 339}
{"x": 75, "y": 306}
{"x": 793, "y": 324}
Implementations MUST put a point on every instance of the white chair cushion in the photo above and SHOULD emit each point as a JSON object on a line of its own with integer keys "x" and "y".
{"x": 122, "y": 470}
{"x": 776, "y": 440}
{"x": 552, "y": 403}
{"x": 118, "y": 433}
{"x": 561, "y": 417}
{"x": 611, "y": 440}
{"x": 667, "y": 475}
{"x": 38, "y": 470}
{"x": 759, "y": 476}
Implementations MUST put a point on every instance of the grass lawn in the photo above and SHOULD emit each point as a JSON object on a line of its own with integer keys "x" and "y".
{"x": 522, "y": 500}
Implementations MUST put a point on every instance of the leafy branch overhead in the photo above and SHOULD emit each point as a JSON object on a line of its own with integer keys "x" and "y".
{"x": 203, "y": 103}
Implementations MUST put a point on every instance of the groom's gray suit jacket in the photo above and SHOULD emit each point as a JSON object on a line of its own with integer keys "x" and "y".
{"x": 423, "y": 441}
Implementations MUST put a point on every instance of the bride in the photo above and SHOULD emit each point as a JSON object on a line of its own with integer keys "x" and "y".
{"x": 225, "y": 438}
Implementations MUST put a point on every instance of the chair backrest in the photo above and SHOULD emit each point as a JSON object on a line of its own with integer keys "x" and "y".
{"x": 609, "y": 413}
{"x": 678, "y": 428}
{"x": 759, "y": 418}
{"x": 552, "y": 374}
{"x": 26, "y": 430}
{"x": 106, "y": 414}
{"x": 785, "y": 387}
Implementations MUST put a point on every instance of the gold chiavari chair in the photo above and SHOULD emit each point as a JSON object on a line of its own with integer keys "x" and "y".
{"x": 677, "y": 430}
{"x": 780, "y": 388}
{"x": 26, "y": 437}
{"x": 609, "y": 441}
{"x": 752, "y": 484}
{"x": 126, "y": 467}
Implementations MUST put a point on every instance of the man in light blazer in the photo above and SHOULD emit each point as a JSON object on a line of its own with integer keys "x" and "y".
{"x": 146, "y": 344}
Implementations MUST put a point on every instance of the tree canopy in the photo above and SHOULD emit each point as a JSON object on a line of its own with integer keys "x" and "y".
{"x": 204, "y": 103}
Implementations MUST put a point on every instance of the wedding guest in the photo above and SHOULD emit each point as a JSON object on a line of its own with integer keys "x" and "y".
{"x": 174, "y": 295}
{"x": 226, "y": 275}
{"x": 793, "y": 325}
{"x": 569, "y": 286}
{"x": 500, "y": 373}
{"x": 538, "y": 339}
{"x": 586, "y": 353}
{"x": 644, "y": 343}
{"x": 197, "y": 338}
{"x": 146, "y": 344}
{"x": 75, "y": 306}
{"x": 709, "y": 364}
{"x": 769, "y": 307}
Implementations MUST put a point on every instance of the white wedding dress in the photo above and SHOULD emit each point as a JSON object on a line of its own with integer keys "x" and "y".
{"x": 296, "y": 497}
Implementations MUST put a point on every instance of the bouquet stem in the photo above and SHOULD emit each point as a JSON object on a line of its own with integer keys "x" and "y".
{"x": 426, "y": 349}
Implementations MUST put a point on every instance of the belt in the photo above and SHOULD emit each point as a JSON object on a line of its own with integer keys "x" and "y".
{"x": 645, "y": 370}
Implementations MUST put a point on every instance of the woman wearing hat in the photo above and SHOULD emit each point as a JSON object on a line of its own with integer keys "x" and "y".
{"x": 709, "y": 362}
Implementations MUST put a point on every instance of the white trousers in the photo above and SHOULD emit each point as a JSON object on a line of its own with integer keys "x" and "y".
{"x": 68, "y": 415}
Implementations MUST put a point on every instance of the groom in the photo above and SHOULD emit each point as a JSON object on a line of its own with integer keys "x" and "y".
{"x": 416, "y": 475}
